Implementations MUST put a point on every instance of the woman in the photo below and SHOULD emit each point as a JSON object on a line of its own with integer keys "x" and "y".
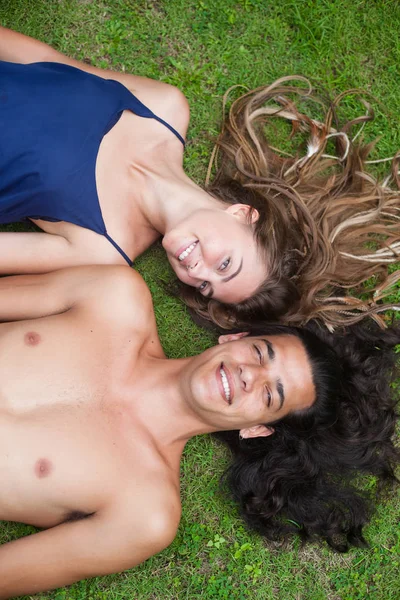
{"x": 99, "y": 170}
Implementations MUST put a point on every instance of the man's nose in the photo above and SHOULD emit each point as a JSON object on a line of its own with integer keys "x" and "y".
{"x": 249, "y": 375}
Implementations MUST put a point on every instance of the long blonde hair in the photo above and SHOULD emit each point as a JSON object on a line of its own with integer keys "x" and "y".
{"x": 328, "y": 229}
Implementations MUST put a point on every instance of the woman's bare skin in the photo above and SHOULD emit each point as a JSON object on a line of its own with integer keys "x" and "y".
{"x": 143, "y": 193}
{"x": 132, "y": 153}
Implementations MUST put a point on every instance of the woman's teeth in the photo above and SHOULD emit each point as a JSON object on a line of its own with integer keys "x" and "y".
{"x": 225, "y": 384}
{"x": 188, "y": 250}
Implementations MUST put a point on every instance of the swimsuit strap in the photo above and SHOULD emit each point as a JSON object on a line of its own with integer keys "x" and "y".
{"x": 178, "y": 135}
{"x": 122, "y": 253}
{"x": 131, "y": 102}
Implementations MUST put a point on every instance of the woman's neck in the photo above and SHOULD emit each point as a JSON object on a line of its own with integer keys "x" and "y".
{"x": 169, "y": 196}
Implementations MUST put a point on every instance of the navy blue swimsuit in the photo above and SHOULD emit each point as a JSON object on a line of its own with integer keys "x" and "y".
{"x": 52, "y": 120}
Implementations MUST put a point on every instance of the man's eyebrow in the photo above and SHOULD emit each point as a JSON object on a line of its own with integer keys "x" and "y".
{"x": 279, "y": 384}
{"x": 270, "y": 348}
{"x": 281, "y": 393}
{"x": 235, "y": 273}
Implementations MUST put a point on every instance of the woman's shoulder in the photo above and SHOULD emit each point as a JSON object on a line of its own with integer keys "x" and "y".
{"x": 164, "y": 100}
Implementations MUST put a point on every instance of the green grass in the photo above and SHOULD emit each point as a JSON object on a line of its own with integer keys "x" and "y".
{"x": 204, "y": 47}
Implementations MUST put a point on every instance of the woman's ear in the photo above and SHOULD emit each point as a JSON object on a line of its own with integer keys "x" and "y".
{"x": 256, "y": 431}
{"x": 245, "y": 213}
{"x": 231, "y": 337}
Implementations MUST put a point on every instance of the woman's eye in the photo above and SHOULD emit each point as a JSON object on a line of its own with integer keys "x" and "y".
{"x": 269, "y": 397}
{"x": 202, "y": 286}
{"x": 258, "y": 351}
{"x": 225, "y": 264}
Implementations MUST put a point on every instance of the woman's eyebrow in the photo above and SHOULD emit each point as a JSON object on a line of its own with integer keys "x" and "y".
{"x": 235, "y": 273}
{"x": 210, "y": 293}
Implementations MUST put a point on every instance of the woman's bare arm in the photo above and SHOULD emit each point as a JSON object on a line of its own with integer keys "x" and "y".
{"x": 163, "y": 99}
{"x": 23, "y": 252}
{"x": 99, "y": 287}
{"x": 34, "y": 252}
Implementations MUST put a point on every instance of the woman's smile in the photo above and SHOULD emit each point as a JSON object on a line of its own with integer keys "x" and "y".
{"x": 182, "y": 255}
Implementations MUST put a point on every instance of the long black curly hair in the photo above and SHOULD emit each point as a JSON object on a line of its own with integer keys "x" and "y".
{"x": 301, "y": 478}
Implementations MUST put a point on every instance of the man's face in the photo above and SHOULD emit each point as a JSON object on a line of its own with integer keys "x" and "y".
{"x": 247, "y": 382}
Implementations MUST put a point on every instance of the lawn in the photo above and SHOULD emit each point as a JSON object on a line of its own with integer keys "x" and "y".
{"x": 204, "y": 47}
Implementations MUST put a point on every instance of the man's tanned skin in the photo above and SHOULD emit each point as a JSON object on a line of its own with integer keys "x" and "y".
{"x": 94, "y": 419}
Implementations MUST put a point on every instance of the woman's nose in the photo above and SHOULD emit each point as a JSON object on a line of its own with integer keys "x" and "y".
{"x": 197, "y": 271}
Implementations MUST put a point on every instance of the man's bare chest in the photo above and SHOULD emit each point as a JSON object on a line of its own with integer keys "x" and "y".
{"x": 69, "y": 438}
{"x": 72, "y": 457}
{"x": 57, "y": 361}
{"x": 64, "y": 463}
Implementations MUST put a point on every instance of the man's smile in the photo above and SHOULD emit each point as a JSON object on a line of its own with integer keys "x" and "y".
{"x": 225, "y": 383}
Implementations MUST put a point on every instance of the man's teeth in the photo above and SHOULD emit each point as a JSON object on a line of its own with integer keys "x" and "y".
{"x": 188, "y": 250}
{"x": 225, "y": 384}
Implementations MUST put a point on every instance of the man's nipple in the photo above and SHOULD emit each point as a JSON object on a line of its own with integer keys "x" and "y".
{"x": 43, "y": 468}
{"x": 32, "y": 338}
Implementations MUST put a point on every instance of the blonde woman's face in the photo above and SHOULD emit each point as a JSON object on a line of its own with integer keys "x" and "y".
{"x": 215, "y": 252}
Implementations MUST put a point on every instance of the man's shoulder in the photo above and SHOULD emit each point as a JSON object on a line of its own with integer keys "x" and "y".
{"x": 117, "y": 279}
{"x": 120, "y": 292}
{"x": 150, "y": 508}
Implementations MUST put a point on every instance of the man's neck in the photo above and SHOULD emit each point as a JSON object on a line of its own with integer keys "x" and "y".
{"x": 156, "y": 398}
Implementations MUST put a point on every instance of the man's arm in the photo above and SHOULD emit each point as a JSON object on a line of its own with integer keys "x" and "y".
{"x": 111, "y": 289}
{"x": 163, "y": 99}
{"x": 104, "y": 543}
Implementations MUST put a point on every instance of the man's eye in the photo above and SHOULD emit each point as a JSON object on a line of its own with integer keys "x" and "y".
{"x": 203, "y": 286}
{"x": 269, "y": 397}
{"x": 259, "y": 354}
{"x": 225, "y": 264}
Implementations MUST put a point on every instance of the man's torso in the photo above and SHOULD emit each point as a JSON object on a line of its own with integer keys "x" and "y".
{"x": 67, "y": 442}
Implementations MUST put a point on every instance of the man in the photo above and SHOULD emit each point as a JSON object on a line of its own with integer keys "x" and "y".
{"x": 94, "y": 419}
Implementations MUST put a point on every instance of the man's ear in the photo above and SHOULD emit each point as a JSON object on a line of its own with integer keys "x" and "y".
{"x": 256, "y": 431}
{"x": 245, "y": 213}
{"x": 231, "y": 337}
